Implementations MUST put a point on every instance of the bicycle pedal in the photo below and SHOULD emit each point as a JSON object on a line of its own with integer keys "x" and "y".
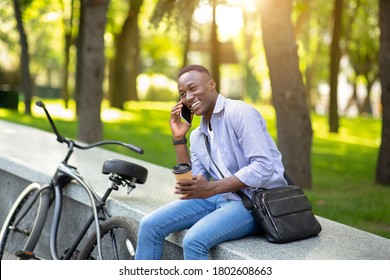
{"x": 26, "y": 255}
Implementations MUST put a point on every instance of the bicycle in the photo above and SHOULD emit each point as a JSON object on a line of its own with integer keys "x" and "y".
{"x": 113, "y": 237}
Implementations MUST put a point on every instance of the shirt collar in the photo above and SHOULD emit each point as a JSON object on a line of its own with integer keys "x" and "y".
{"x": 218, "y": 108}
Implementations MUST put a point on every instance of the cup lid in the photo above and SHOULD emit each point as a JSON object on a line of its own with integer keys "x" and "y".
{"x": 181, "y": 168}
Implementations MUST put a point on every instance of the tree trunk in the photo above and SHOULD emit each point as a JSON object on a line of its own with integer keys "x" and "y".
{"x": 134, "y": 53}
{"x": 126, "y": 64}
{"x": 366, "y": 106}
{"x": 252, "y": 86}
{"x": 354, "y": 98}
{"x": 288, "y": 91}
{"x": 187, "y": 42}
{"x": 383, "y": 165}
{"x": 25, "y": 59}
{"x": 215, "y": 60}
{"x": 68, "y": 25}
{"x": 91, "y": 69}
{"x": 335, "y": 55}
{"x": 65, "y": 74}
{"x": 118, "y": 72}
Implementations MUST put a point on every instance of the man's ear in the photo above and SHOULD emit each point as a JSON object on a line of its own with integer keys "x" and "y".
{"x": 212, "y": 84}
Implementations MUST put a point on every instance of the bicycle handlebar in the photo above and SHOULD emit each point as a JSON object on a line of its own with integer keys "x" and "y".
{"x": 60, "y": 138}
{"x": 110, "y": 142}
{"x": 71, "y": 143}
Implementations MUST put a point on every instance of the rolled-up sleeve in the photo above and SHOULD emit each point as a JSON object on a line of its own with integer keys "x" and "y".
{"x": 197, "y": 166}
{"x": 252, "y": 137}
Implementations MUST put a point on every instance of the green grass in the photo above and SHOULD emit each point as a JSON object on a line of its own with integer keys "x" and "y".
{"x": 343, "y": 164}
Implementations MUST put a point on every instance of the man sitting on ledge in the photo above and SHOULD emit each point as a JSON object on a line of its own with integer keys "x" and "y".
{"x": 243, "y": 157}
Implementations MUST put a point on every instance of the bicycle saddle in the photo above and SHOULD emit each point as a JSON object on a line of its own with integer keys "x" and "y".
{"x": 125, "y": 169}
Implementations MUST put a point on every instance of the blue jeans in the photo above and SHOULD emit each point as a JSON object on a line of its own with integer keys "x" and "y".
{"x": 210, "y": 221}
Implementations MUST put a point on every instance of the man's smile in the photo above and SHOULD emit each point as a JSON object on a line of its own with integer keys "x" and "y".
{"x": 196, "y": 103}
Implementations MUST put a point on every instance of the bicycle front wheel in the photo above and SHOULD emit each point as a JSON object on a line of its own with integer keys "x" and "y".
{"x": 24, "y": 223}
{"x": 118, "y": 241}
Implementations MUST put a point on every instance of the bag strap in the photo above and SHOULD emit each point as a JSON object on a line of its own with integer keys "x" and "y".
{"x": 244, "y": 197}
{"x": 206, "y": 141}
{"x": 288, "y": 179}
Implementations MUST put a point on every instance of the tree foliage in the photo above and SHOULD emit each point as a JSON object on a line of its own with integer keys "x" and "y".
{"x": 173, "y": 12}
{"x": 166, "y": 29}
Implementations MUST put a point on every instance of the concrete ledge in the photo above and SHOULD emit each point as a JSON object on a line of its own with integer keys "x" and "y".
{"x": 28, "y": 155}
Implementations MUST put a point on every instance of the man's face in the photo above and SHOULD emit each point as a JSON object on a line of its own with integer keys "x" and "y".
{"x": 197, "y": 92}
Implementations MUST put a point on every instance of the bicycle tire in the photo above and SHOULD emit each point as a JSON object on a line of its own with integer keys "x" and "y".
{"x": 24, "y": 223}
{"x": 125, "y": 240}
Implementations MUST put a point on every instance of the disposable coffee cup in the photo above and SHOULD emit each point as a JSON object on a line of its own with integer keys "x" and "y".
{"x": 182, "y": 171}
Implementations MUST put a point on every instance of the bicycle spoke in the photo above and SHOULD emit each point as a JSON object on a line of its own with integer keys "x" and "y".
{"x": 118, "y": 241}
{"x": 114, "y": 244}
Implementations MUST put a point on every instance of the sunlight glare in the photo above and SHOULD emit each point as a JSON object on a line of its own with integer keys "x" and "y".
{"x": 52, "y": 16}
{"x": 109, "y": 114}
{"x": 144, "y": 82}
{"x": 228, "y": 17}
{"x": 56, "y": 110}
{"x": 203, "y": 14}
{"x": 229, "y": 21}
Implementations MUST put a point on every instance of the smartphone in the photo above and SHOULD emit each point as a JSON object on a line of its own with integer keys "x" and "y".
{"x": 186, "y": 114}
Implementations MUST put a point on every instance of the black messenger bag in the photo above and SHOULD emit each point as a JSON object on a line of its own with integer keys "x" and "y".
{"x": 284, "y": 214}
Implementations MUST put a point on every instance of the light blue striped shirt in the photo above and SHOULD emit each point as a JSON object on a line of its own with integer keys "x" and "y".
{"x": 245, "y": 145}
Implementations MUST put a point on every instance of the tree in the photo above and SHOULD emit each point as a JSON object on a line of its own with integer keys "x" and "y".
{"x": 252, "y": 86}
{"x": 68, "y": 26}
{"x": 335, "y": 56}
{"x": 215, "y": 48}
{"x": 125, "y": 67}
{"x": 362, "y": 48}
{"x": 288, "y": 91}
{"x": 91, "y": 69}
{"x": 311, "y": 27}
{"x": 180, "y": 13}
{"x": 25, "y": 58}
{"x": 383, "y": 165}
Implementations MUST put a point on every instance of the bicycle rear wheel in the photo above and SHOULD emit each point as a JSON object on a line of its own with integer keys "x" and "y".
{"x": 118, "y": 241}
{"x": 24, "y": 223}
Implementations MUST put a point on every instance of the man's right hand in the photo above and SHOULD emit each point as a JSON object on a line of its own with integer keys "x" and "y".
{"x": 179, "y": 128}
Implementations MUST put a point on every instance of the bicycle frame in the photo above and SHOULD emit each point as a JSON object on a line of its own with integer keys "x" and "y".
{"x": 65, "y": 174}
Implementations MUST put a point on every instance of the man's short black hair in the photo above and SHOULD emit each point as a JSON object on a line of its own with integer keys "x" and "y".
{"x": 194, "y": 67}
